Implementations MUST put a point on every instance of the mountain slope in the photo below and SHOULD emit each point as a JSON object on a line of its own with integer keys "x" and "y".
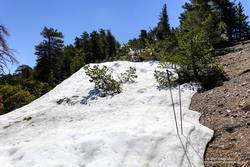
{"x": 225, "y": 109}
{"x": 132, "y": 129}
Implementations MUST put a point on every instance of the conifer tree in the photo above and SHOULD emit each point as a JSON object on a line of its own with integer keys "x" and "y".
{"x": 112, "y": 46}
{"x": 68, "y": 56}
{"x": 49, "y": 56}
{"x": 163, "y": 27}
{"x": 95, "y": 45}
{"x": 24, "y": 71}
{"x": 84, "y": 43}
{"x": 227, "y": 14}
{"x": 78, "y": 61}
{"x": 242, "y": 27}
{"x": 197, "y": 36}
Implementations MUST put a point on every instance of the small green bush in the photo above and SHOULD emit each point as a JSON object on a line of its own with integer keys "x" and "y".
{"x": 212, "y": 76}
{"x": 129, "y": 76}
{"x": 162, "y": 79}
{"x": 103, "y": 79}
{"x": 209, "y": 77}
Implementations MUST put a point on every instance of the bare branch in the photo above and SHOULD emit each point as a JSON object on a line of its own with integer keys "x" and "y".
{"x": 6, "y": 54}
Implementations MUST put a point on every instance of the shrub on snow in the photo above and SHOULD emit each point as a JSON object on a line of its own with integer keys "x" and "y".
{"x": 103, "y": 79}
{"x": 129, "y": 76}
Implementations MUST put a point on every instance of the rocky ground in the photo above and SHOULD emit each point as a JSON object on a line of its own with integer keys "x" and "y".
{"x": 226, "y": 110}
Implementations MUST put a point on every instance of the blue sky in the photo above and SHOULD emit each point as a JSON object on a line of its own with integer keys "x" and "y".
{"x": 25, "y": 19}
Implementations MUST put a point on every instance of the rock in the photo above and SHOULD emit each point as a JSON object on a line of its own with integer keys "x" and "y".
{"x": 231, "y": 128}
{"x": 244, "y": 84}
{"x": 235, "y": 116}
{"x": 221, "y": 105}
{"x": 242, "y": 104}
{"x": 27, "y": 118}
{"x": 233, "y": 139}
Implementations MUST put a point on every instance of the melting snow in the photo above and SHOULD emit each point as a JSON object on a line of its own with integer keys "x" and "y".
{"x": 135, "y": 128}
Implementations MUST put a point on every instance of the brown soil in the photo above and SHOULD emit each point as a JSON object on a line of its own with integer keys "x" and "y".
{"x": 226, "y": 110}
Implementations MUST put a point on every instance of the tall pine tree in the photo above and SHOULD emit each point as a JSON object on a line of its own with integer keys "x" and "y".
{"x": 227, "y": 14}
{"x": 242, "y": 27}
{"x": 49, "y": 56}
{"x": 163, "y": 28}
{"x": 198, "y": 33}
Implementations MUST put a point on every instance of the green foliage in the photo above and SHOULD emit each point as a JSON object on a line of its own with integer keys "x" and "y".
{"x": 129, "y": 76}
{"x": 98, "y": 46}
{"x": 198, "y": 34}
{"x": 35, "y": 88}
{"x": 233, "y": 16}
{"x": 123, "y": 53}
{"x": 103, "y": 79}
{"x": 163, "y": 28}
{"x": 212, "y": 76}
{"x": 241, "y": 27}
{"x": 20, "y": 89}
{"x": 205, "y": 25}
{"x": 161, "y": 78}
{"x": 165, "y": 50}
{"x": 49, "y": 57}
{"x": 14, "y": 97}
{"x": 78, "y": 61}
{"x": 24, "y": 71}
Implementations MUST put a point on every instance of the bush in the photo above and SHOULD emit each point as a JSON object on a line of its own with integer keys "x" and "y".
{"x": 162, "y": 79}
{"x": 103, "y": 79}
{"x": 14, "y": 97}
{"x": 209, "y": 77}
{"x": 129, "y": 76}
{"x": 36, "y": 88}
{"x": 212, "y": 76}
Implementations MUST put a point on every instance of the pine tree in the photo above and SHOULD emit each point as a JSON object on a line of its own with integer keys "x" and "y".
{"x": 95, "y": 45}
{"x": 227, "y": 14}
{"x": 84, "y": 43}
{"x": 163, "y": 27}
{"x": 104, "y": 45}
{"x": 112, "y": 46}
{"x": 49, "y": 56}
{"x": 242, "y": 27}
{"x": 68, "y": 55}
{"x": 78, "y": 61}
{"x": 24, "y": 71}
{"x": 143, "y": 37}
{"x": 197, "y": 36}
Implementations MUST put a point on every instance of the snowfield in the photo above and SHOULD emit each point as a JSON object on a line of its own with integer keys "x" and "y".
{"x": 135, "y": 128}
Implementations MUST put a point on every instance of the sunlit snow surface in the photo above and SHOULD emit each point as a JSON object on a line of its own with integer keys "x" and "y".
{"x": 133, "y": 129}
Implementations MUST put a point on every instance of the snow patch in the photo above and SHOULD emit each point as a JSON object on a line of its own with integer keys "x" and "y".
{"x": 132, "y": 129}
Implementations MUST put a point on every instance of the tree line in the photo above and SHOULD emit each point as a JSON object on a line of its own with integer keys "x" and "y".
{"x": 205, "y": 26}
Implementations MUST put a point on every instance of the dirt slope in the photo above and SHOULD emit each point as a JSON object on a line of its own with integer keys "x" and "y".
{"x": 226, "y": 110}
